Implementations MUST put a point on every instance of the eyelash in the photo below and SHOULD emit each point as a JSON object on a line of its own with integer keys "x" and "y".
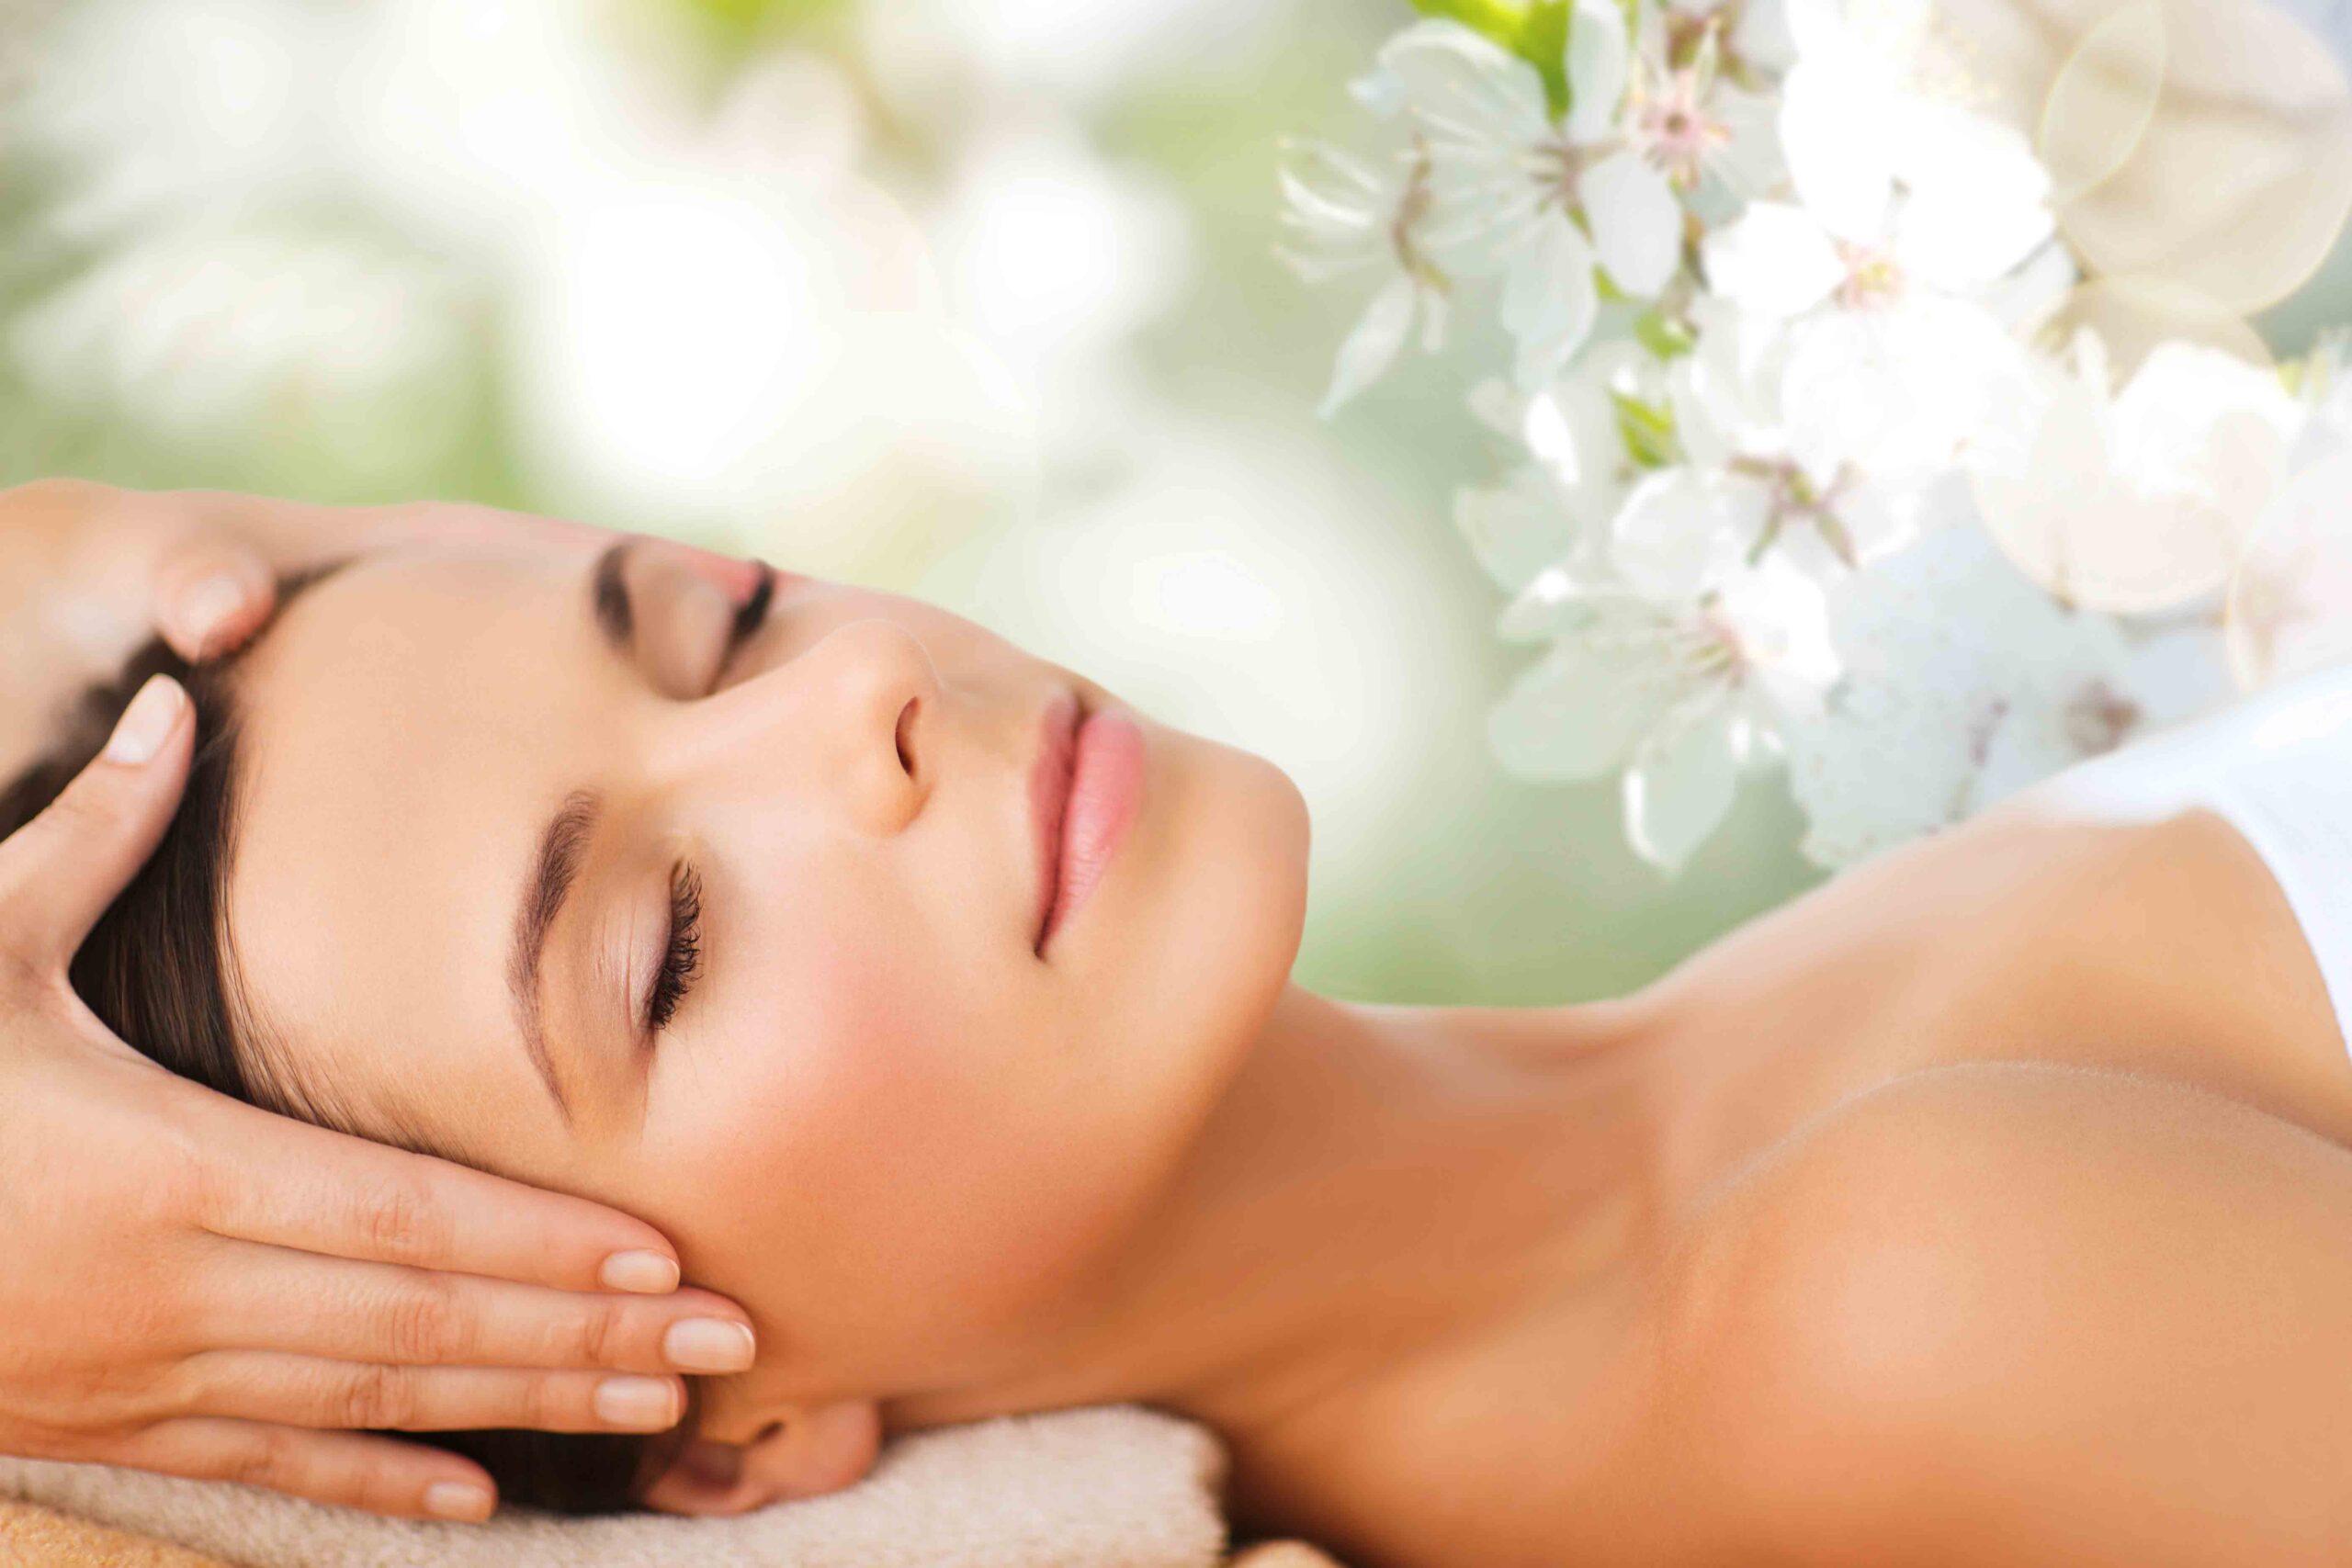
{"x": 682, "y": 955}
{"x": 748, "y": 621}
{"x": 681, "y": 959}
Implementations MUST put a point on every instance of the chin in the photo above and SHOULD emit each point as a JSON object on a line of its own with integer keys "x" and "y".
{"x": 1212, "y": 912}
{"x": 1231, "y": 930}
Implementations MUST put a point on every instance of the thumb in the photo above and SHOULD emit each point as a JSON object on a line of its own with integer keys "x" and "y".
{"x": 59, "y": 871}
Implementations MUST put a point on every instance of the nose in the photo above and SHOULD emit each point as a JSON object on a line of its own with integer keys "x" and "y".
{"x": 848, "y": 714}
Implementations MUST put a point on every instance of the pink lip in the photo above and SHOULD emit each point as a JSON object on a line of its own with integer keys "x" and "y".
{"x": 1049, "y": 784}
{"x": 1084, "y": 790}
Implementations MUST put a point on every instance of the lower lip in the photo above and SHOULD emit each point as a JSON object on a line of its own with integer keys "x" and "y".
{"x": 1106, "y": 786}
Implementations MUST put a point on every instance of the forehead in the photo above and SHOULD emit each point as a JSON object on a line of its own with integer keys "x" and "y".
{"x": 408, "y": 725}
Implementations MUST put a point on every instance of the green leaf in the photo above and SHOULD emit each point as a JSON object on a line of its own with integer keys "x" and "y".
{"x": 1497, "y": 19}
{"x": 1647, "y": 430}
{"x": 1664, "y": 335}
{"x": 1545, "y": 43}
{"x": 1536, "y": 30}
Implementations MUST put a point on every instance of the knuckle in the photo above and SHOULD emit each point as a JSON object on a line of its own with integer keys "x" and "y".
{"x": 425, "y": 1325}
{"x": 262, "y": 1457}
{"x": 205, "y": 1189}
{"x": 375, "y": 1397}
{"x": 401, "y": 1220}
{"x": 600, "y": 1337}
{"x": 557, "y": 1403}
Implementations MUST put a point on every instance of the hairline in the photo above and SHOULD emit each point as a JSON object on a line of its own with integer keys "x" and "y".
{"x": 261, "y": 1043}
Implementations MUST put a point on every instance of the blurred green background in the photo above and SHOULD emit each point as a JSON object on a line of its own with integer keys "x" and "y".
{"x": 971, "y": 298}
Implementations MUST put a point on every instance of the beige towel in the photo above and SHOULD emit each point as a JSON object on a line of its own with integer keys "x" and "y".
{"x": 1116, "y": 1486}
{"x": 35, "y": 1538}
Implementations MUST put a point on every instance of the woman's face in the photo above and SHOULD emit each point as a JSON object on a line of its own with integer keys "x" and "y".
{"x": 541, "y": 865}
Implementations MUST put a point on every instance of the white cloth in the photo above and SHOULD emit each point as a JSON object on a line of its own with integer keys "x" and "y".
{"x": 2278, "y": 767}
{"x": 1115, "y": 1486}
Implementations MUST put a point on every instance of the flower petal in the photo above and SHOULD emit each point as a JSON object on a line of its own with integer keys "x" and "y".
{"x": 1576, "y": 712}
{"x": 1897, "y": 390}
{"x": 1776, "y": 260}
{"x": 1465, "y": 89}
{"x": 1680, "y": 787}
{"x": 1599, "y": 57}
{"x": 1636, "y": 222}
{"x": 1978, "y": 203}
{"x": 1682, "y": 530}
{"x": 1371, "y": 347}
{"x": 1379, "y": 91}
{"x": 1833, "y": 136}
{"x": 1763, "y": 36}
{"x": 1549, "y": 299}
{"x": 1521, "y": 527}
{"x": 1751, "y": 162}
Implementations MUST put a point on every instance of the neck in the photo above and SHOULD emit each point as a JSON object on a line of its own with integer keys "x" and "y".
{"x": 1377, "y": 1191}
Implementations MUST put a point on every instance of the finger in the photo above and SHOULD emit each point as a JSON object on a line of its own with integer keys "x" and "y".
{"x": 265, "y": 1298}
{"x": 270, "y": 1179}
{"x": 383, "y": 1476}
{"x": 302, "y": 1391}
{"x": 212, "y": 594}
{"x": 76, "y": 858}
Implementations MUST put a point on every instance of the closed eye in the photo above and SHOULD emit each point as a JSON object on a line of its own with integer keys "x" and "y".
{"x": 747, "y": 624}
{"x": 681, "y": 963}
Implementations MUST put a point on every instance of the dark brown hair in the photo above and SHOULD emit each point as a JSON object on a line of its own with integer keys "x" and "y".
{"x": 157, "y": 971}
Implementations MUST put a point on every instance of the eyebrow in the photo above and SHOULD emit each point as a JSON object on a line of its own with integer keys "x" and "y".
{"x": 555, "y": 869}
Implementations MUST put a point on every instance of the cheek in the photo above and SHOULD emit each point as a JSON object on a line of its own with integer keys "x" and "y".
{"x": 832, "y": 1096}
{"x": 876, "y": 1146}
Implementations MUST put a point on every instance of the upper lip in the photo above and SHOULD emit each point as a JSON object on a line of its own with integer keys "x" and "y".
{"x": 1049, "y": 787}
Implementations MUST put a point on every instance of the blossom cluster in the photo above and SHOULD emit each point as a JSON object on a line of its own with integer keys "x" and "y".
{"x": 1799, "y": 470}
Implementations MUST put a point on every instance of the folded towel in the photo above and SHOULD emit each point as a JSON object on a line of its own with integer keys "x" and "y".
{"x": 1116, "y": 1486}
{"x": 36, "y": 1538}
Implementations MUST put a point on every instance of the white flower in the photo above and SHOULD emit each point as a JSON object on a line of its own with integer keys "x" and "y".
{"x": 1911, "y": 215}
{"x": 1554, "y": 510}
{"x": 1681, "y": 696}
{"x": 1530, "y": 522}
{"x": 1340, "y": 215}
{"x": 2138, "y": 500}
{"x": 1685, "y": 114}
{"x": 2290, "y": 605}
{"x": 1753, "y": 35}
{"x": 1685, "y": 526}
{"x": 1740, "y": 491}
{"x": 1862, "y": 122}
{"x": 1538, "y": 201}
{"x": 1963, "y": 683}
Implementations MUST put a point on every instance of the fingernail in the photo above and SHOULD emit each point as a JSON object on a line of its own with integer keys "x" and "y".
{"x": 459, "y": 1500}
{"x": 147, "y": 723}
{"x": 211, "y": 604}
{"x": 641, "y": 1273}
{"x": 648, "y": 1404}
{"x": 709, "y": 1345}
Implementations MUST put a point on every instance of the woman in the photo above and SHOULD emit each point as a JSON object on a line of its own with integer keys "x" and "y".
{"x": 1986, "y": 1204}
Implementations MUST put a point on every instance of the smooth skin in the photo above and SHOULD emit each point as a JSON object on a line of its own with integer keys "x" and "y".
{"x": 157, "y": 1228}
{"x": 1987, "y": 1205}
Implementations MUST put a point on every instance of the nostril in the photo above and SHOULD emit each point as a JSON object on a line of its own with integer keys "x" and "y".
{"x": 906, "y": 736}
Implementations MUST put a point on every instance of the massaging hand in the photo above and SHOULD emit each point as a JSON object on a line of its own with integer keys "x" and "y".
{"x": 200, "y": 1288}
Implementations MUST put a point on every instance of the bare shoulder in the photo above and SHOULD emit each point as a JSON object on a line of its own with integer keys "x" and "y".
{"x": 2012, "y": 1312}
